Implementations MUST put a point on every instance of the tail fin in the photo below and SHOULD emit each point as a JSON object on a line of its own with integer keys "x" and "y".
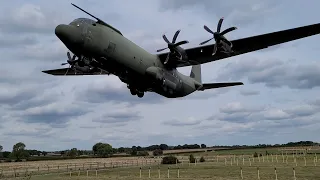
{"x": 196, "y": 73}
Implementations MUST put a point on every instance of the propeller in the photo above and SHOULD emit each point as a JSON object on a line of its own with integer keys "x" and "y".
{"x": 172, "y": 46}
{"x": 70, "y": 61}
{"x": 218, "y": 36}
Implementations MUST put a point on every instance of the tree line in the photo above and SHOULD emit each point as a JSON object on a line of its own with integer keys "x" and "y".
{"x": 100, "y": 149}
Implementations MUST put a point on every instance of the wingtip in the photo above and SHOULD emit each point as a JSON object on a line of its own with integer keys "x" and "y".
{"x": 45, "y": 71}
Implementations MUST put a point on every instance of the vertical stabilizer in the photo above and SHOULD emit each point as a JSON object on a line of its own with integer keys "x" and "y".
{"x": 196, "y": 73}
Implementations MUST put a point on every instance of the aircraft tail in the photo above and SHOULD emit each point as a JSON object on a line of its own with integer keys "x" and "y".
{"x": 196, "y": 73}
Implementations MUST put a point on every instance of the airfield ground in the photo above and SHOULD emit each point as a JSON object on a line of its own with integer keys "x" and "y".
{"x": 228, "y": 166}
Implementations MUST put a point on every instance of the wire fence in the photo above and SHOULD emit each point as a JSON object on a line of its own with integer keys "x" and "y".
{"x": 150, "y": 164}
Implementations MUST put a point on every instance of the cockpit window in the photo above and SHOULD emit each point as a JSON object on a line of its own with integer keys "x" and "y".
{"x": 78, "y": 22}
{"x": 86, "y": 22}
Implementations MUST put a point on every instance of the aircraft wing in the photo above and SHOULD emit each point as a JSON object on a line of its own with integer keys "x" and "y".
{"x": 219, "y": 85}
{"x": 72, "y": 72}
{"x": 203, "y": 54}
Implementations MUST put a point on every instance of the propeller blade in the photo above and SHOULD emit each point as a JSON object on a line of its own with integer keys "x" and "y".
{"x": 219, "y": 24}
{"x": 206, "y": 41}
{"x": 167, "y": 59}
{"x": 175, "y": 36}
{"x": 228, "y": 30}
{"x": 69, "y": 56}
{"x": 181, "y": 43}
{"x": 165, "y": 39}
{"x": 214, "y": 49}
{"x": 207, "y": 29}
{"x": 159, "y": 50}
{"x": 67, "y": 70}
{"x": 62, "y": 64}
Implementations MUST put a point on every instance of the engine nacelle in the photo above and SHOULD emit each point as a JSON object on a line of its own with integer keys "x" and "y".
{"x": 84, "y": 69}
{"x": 226, "y": 46}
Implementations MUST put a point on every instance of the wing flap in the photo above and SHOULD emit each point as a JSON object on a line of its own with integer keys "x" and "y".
{"x": 72, "y": 72}
{"x": 219, "y": 85}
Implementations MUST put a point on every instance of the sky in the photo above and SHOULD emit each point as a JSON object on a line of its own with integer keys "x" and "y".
{"x": 278, "y": 103}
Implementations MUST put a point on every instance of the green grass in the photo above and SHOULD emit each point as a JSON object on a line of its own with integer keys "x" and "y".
{"x": 214, "y": 170}
{"x": 273, "y": 150}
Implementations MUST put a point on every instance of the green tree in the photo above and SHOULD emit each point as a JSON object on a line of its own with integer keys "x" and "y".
{"x": 18, "y": 151}
{"x": 121, "y": 150}
{"x": 73, "y": 152}
{"x": 1, "y": 148}
{"x": 95, "y": 148}
{"x": 104, "y": 149}
{"x": 6, "y": 154}
{"x": 163, "y": 147}
{"x": 203, "y": 146}
{"x": 134, "y": 151}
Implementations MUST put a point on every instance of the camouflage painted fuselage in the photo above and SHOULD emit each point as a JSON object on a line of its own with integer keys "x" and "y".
{"x": 133, "y": 65}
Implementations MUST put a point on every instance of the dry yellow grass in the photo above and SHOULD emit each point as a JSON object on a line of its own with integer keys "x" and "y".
{"x": 211, "y": 169}
{"x": 74, "y": 164}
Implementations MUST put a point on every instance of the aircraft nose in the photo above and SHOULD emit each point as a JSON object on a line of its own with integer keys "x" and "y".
{"x": 68, "y": 34}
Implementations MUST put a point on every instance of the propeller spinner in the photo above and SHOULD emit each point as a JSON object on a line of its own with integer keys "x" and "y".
{"x": 172, "y": 46}
{"x": 218, "y": 36}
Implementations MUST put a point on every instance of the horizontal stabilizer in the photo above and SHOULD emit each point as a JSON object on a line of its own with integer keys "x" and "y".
{"x": 219, "y": 85}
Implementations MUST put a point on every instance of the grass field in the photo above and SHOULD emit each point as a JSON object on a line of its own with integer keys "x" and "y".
{"x": 59, "y": 166}
{"x": 218, "y": 165}
{"x": 214, "y": 170}
{"x": 274, "y": 150}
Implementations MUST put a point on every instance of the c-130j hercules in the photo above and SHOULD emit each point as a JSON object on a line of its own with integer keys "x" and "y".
{"x": 102, "y": 49}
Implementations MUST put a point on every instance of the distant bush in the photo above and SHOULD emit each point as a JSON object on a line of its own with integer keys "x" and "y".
{"x": 157, "y": 152}
{"x": 170, "y": 160}
{"x": 255, "y": 154}
{"x": 202, "y": 159}
{"x": 192, "y": 159}
{"x": 143, "y": 153}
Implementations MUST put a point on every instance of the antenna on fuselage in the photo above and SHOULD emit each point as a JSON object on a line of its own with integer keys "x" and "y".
{"x": 99, "y": 20}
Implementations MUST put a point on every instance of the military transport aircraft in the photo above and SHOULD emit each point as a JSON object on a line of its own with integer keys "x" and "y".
{"x": 101, "y": 49}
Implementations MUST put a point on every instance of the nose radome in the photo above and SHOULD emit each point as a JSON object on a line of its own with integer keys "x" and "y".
{"x": 68, "y": 34}
{"x": 61, "y": 30}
